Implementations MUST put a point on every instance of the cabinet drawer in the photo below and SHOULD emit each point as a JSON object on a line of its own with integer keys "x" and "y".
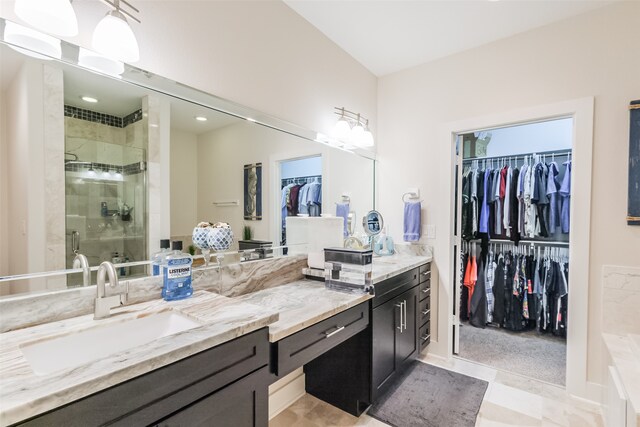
{"x": 296, "y": 350}
{"x": 425, "y": 272}
{"x": 152, "y": 396}
{"x": 425, "y": 311}
{"x": 425, "y": 336}
{"x": 425, "y": 289}
{"x": 394, "y": 286}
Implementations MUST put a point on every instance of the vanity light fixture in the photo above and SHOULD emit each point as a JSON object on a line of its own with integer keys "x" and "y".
{"x": 33, "y": 43}
{"x": 51, "y": 16}
{"x": 200, "y": 118}
{"x": 352, "y": 128}
{"x": 91, "y": 172}
{"x": 100, "y": 63}
{"x": 89, "y": 99}
{"x": 113, "y": 37}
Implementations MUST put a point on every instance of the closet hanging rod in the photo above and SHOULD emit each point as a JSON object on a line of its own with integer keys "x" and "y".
{"x": 302, "y": 177}
{"x": 528, "y": 242}
{"x": 521, "y": 155}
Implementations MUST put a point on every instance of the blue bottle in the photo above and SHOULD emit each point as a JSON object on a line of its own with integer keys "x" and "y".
{"x": 159, "y": 258}
{"x": 177, "y": 274}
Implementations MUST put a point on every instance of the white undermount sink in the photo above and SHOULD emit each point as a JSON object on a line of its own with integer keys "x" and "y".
{"x": 79, "y": 348}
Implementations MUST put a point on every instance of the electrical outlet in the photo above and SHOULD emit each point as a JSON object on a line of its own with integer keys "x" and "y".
{"x": 431, "y": 231}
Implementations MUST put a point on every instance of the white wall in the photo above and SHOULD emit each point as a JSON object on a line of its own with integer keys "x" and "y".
{"x": 531, "y": 138}
{"x": 4, "y": 214}
{"x": 258, "y": 53}
{"x": 223, "y": 153}
{"x": 184, "y": 182}
{"x": 595, "y": 54}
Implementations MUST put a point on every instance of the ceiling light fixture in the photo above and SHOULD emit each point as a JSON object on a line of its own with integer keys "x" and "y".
{"x": 51, "y": 16}
{"x": 31, "y": 42}
{"x": 89, "y": 99}
{"x": 352, "y": 128}
{"x": 200, "y": 118}
{"x": 113, "y": 37}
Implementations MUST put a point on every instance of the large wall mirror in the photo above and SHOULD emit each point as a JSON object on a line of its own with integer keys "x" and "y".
{"x": 109, "y": 165}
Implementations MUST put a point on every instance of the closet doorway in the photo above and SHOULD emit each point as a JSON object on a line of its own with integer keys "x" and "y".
{"x": 511, "y": 248}
{"x": 300, "y": 189}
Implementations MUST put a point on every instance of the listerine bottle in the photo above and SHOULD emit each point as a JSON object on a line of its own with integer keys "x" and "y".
{"x": 159, "y": 258}
{"x": 177, "y": 274}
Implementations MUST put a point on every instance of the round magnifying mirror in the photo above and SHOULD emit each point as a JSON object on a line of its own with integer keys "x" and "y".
{"x": 372, "y": 223}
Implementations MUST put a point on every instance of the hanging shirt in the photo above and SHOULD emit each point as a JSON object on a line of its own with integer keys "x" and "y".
{"x": 554, "y": 198}
{"x": 489, "y": 279}
{"x": 521, "y": 205}
{"x": 470, "y": 278}
{"x": 293, "y": 200}
{"x": 303, "y": 200}
{"x": 484, "y": 212}
{"x": 507, "y": 202}
{"x": 565, "y": 195}
{"x": 514, "y": 207}
{"x": 474, "y": 202}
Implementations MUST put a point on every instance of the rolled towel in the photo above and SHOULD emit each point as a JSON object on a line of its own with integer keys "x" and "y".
{"x": 342, "y": 209}
{"x": 412, "y": 221}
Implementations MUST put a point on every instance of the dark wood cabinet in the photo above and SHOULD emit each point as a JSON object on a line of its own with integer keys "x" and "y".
{"x": 395, "y": 321}
{"x": 424, "y": 314}
{"x": 233, "y": 375}
{"x": 243, "y": 403}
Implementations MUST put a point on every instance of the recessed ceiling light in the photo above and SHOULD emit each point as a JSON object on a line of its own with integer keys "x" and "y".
{"x": 201, "y": 118}
{"x": 89, "y": 99}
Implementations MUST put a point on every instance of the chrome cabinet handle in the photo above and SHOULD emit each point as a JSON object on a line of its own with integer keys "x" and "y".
{"x": 401, "y": 305}
{"x": 330, "y": 334}
{"x": 424, "y": 291}
{"x": 424, "y": 273}
{"x": 425, "y": 312}
{"x": 405, "y": 315}
{"x": 426, "y": 338}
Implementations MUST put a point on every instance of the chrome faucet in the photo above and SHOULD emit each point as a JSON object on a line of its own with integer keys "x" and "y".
{"x": 105, "y": 303}
{"x": 80, "y": 261}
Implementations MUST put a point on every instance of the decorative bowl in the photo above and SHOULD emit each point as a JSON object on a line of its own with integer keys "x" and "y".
{"x": 220, "y": 239}
{"x": 200, "y": 237}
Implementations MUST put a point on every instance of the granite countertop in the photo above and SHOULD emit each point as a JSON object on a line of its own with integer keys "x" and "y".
{"x": 384, "y": 267}
{"x": 301, "y": 304}
{"x": 626, "y": 358}
{"x": 24, "y": 394}
{"x": 285, "y": 309}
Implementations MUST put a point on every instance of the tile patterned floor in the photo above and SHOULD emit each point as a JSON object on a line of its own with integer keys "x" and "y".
{"x": 510, "y": 400}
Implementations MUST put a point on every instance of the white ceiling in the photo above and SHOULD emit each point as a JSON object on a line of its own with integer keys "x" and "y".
{"x": 391, "y": 35}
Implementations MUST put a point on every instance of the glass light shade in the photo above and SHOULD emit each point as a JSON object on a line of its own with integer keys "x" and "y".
{"x": 114, "y": 38}
{"x": 51, "y": 16}
{"x": 35, "y": 43}
{"x": 357, "y": 135}
{"x": 367, "y": 139}
{"x": 342, "y": 129}
{"x": 100, "y": 63}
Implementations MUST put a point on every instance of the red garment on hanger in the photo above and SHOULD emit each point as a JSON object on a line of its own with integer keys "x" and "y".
{"x": 470, "y": 279}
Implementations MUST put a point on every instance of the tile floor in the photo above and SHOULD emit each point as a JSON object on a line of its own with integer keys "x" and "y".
{"x": 510, "y": 400}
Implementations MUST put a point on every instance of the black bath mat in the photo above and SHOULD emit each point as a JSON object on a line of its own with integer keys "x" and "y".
{"x": 428, "y": 396}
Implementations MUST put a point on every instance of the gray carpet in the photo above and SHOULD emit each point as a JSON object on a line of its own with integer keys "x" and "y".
{"x": 428, "y": 396}
{"x": 529, "y": 353}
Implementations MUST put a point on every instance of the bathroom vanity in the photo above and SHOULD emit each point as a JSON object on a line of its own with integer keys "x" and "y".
{"x": 350, "y": 345}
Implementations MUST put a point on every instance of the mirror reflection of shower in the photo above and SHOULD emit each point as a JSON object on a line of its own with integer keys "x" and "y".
{"x": 105, "y": 189}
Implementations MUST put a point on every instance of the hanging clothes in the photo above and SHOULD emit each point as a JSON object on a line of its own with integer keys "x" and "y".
{"x": 478, "y": 305}
{"x": 565, "y": 197}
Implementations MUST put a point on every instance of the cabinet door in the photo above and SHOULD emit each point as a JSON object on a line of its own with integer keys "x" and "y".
{"x": 385, "y": 321}
{"x": 241, "y": 404}
{"x": 406, "y": 340}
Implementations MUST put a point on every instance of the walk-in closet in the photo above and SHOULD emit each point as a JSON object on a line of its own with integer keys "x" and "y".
{"x": 513, "y": 198}
{"x": 300, "y": 189}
